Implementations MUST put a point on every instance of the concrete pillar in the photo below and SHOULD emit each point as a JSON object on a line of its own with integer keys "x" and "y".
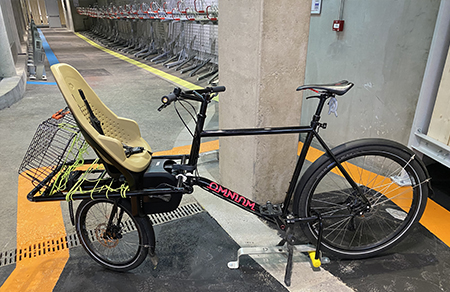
{"x": 68, "y": 14}
{"x": 262, "y": 56}
{"x": 7, "y": 67}
{"x": 53, "y": 13}
{"x": 26, "y": 11}
{"x": 11, "y": 28}
{"x": 20, "y": 22}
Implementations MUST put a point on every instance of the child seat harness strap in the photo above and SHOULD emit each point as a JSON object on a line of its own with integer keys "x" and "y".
{"x": 98, "y": 127}
{"x": 94, "y": 121}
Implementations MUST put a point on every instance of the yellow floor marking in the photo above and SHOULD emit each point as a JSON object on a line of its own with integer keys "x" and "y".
{"x": 437, "y": 220}
{"x": 42, "y": 253}
{"x": 313, "y": 153}
{"x": 167, "y": 76}
{"x": 435, "y": 217}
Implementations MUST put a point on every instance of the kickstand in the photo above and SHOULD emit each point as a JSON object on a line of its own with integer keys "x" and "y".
{"x": 290, "y": 248}
{"x": 315, "y": 257}
{"x": 319, "y": 237}
{"x": 288, "y": 272}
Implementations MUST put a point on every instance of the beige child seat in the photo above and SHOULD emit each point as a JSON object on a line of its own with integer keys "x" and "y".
{"x": 116, "y": 134}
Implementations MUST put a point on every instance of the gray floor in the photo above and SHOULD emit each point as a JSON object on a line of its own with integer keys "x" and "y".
{"x": 135, "y": 93}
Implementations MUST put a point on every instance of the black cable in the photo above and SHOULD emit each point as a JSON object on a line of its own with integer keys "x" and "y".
{"x": 193, "y": 108}
{"x": 197, "y": 174}
{"x": 181, "y": 118}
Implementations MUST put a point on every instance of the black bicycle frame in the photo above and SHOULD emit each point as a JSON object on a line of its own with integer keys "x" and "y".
{"x": 243, "y": 202}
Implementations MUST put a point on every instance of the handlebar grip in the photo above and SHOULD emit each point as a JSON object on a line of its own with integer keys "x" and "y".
{"x": 167, "y": 99}
{"x": 218, "y": 89}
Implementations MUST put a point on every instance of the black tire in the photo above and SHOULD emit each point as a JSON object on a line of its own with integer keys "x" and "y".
{"x": 392, "y": 179}
{"x": 119, "y": 248}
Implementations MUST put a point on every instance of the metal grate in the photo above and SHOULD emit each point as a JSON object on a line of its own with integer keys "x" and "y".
{"x": 183, "y": 211}
{"x": 7, "y": 258}
{"x": 71, "y": 240}
{"x": 42, "y": 248}
{"x": 33, "y": 250}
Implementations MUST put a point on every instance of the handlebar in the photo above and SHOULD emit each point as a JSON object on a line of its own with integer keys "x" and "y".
{"x": 189, "y": 94}
{"x": 207, "y": 90}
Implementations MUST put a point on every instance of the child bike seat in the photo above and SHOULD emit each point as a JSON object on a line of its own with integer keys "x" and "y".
{"x": 117, "y": 141}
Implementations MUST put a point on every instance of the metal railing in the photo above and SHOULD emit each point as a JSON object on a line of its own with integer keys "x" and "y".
{"x": 36, "y": 54}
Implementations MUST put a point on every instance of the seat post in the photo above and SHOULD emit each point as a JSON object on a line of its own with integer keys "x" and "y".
{"x": 316, "y": 118}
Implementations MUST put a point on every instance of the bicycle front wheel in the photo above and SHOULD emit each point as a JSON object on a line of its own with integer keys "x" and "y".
{"x": 389, "y": 175}
{"x": 111, "y": 235}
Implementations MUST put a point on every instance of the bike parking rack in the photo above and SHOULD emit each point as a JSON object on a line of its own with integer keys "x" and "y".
{"x": 161, "y": 32}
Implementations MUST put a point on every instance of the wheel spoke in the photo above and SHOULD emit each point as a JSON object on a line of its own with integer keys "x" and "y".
{"x": 117, "y": 246}
{"x": 390, "y": 180}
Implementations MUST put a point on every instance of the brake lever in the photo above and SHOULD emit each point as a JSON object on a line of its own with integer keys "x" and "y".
{"x": 163, "y": 106}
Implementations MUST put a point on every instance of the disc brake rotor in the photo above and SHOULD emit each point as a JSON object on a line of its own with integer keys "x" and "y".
{"x": 105, "y": 237}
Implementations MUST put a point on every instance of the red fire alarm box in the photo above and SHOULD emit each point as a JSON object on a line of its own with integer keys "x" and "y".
{"x": 338, "y": 25}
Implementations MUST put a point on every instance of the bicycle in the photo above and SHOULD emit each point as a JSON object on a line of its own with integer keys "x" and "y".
{"x": 357, "y": 200}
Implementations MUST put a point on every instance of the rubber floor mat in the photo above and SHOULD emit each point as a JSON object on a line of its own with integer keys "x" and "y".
{"x": 193, "y": 255}
{"x": 412, "y": 265}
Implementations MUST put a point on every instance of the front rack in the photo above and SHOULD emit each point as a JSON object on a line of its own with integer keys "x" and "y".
{"x": 56, "y": 142}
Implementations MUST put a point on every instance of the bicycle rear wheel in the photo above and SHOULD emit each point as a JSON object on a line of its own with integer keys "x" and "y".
{"x": 390, "y": 177}
{"x": 119, "y": 244}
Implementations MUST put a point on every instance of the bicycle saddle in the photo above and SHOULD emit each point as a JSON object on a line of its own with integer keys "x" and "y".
{"x": 106, "y": 133}
{"x": 338, "y": 88}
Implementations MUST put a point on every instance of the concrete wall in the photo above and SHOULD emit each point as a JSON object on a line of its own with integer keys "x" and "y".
{"x": 52, "y": 8}
{"x": 383, "y": 50}
{"x": 80, "y": 22}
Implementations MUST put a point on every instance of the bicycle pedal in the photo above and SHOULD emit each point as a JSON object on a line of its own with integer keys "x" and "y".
{"x": 270, "y": 209}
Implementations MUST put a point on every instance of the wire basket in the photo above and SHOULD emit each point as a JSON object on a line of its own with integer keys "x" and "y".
{"x": 57, "y": 141}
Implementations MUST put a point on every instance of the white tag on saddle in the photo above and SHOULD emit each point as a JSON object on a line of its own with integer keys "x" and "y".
{"x": 333, "y": 105}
